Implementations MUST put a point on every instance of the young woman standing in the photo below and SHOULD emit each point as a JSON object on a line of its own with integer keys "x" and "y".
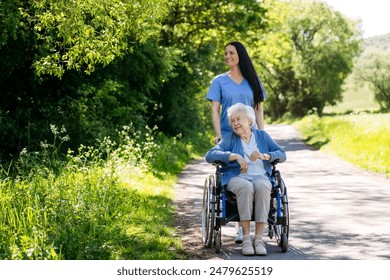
{"x": 240, "y": 84}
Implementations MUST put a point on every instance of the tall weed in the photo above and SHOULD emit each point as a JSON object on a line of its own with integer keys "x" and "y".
{"x": 108, "y": 201}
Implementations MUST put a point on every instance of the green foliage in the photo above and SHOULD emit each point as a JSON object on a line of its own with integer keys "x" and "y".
{"x": 196, "y": 32}
{"x": 82, "y": 34}
{"x": 142, "y": 67}
{"x": 363, "y": 140}
{"x": 372, "y": 68}
{"x": 358, "y": 94}
{"x": 191, "y": 24}
{"x": 377, "y": 73}
{"x": 89, "y": 106}
{"x": 357, "y": 97}
{"x": 9, "y": 21}
{"x": 117, "y": 66}
{"x": 306, "y": 55}
{"x": 312, "y": 129}
{"x": 109, "y": 201}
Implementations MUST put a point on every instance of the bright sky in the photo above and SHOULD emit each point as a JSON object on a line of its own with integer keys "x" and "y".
{"x": 373, "y": 13}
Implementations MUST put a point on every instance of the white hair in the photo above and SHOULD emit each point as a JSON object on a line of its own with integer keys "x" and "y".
{"x": 244, "y": 109}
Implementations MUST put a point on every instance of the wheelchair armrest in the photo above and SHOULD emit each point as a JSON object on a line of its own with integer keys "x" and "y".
{"x": 218, "y": 163}
{"x": 275, "y": 162}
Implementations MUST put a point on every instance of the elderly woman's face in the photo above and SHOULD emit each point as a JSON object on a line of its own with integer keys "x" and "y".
{"x": 240, "y": 123}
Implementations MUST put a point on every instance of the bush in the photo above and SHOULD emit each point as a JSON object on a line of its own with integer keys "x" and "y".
{"x": 108, "y": 201}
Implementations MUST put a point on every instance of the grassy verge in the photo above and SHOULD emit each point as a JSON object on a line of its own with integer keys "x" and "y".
{"x": 357, "y": 97}
{"x": 111, "y": 201}
{"x": 363, "y": 140}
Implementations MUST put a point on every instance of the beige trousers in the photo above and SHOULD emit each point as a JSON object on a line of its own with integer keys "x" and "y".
{"x": 258, "y": 190}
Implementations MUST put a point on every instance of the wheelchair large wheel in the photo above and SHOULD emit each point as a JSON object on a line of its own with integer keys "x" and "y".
{"x": 208, "y": 211}
{"x": 286, "y": 212}
{"x": 282, "y": 228}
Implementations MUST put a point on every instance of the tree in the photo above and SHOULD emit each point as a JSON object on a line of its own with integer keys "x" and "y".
{"x": 54, "y": 58}
{"x": 79, "y": 35}
{"x": 377, "y": 72}
{"x": 306, "y": 55}
{"x": 9, "y": 20}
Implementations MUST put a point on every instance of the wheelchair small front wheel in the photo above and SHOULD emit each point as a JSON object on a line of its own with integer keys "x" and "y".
{"x": 218, "y": 242}
{"x": 284, "y": 242}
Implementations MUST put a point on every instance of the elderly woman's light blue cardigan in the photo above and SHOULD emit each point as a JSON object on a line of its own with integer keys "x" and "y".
{"x": 231, "y": 143}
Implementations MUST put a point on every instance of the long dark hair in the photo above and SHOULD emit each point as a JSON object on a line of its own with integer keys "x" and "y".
{"x": 249, "y": 72}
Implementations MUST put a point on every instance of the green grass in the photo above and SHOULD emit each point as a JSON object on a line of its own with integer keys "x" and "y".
{"x": 363, "y": 140}
{"x": 356, "y": 98}
{"x": 111, "y": 201}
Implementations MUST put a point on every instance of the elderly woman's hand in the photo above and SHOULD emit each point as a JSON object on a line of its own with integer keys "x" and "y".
{"x": 243, "y": 164}
{"x": 257, "y": 155}
{"x": 241, "y": 161}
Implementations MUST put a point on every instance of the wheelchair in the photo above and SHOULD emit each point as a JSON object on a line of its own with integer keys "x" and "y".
{"x": 219, "y": 207}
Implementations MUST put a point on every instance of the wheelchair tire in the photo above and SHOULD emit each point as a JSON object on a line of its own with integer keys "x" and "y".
{"x": 286, "y": 221}
{"x": 217, "y": 241}
{"x": 284, "y": 242}
{"x": 208, "y": 212}
{"x": 286, "y": 212}
{"x": 281, "y": 230}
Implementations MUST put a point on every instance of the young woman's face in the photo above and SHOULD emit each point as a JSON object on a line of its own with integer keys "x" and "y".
{"x": 231, "y": 56}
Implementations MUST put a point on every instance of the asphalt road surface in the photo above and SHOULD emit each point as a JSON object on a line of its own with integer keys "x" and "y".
{"x": 337, "y": 211}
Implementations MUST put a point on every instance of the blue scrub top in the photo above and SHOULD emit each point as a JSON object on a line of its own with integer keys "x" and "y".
{"x": 227, "y": 92}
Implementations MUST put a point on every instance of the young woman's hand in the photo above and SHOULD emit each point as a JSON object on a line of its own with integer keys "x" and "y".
{"x": 217, "y": 139}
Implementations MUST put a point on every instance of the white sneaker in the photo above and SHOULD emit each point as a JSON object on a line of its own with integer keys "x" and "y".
{"x": 247, "y": 248}
{"x": 239, "y": 235}
{"x": 260, "y": 247}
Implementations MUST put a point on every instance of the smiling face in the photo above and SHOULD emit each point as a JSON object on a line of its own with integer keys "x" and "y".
{"x": 231, "y": 56}
{"x": 240, "y": 123}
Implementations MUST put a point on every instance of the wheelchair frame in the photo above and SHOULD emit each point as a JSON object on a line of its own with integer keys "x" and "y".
{"x": 219, "y": 207}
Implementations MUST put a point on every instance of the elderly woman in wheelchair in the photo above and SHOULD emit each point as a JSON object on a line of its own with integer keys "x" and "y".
{"x": 247, "y": 154}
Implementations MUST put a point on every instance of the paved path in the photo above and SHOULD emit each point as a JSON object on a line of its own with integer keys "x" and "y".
{"x": 337, "y": 211}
